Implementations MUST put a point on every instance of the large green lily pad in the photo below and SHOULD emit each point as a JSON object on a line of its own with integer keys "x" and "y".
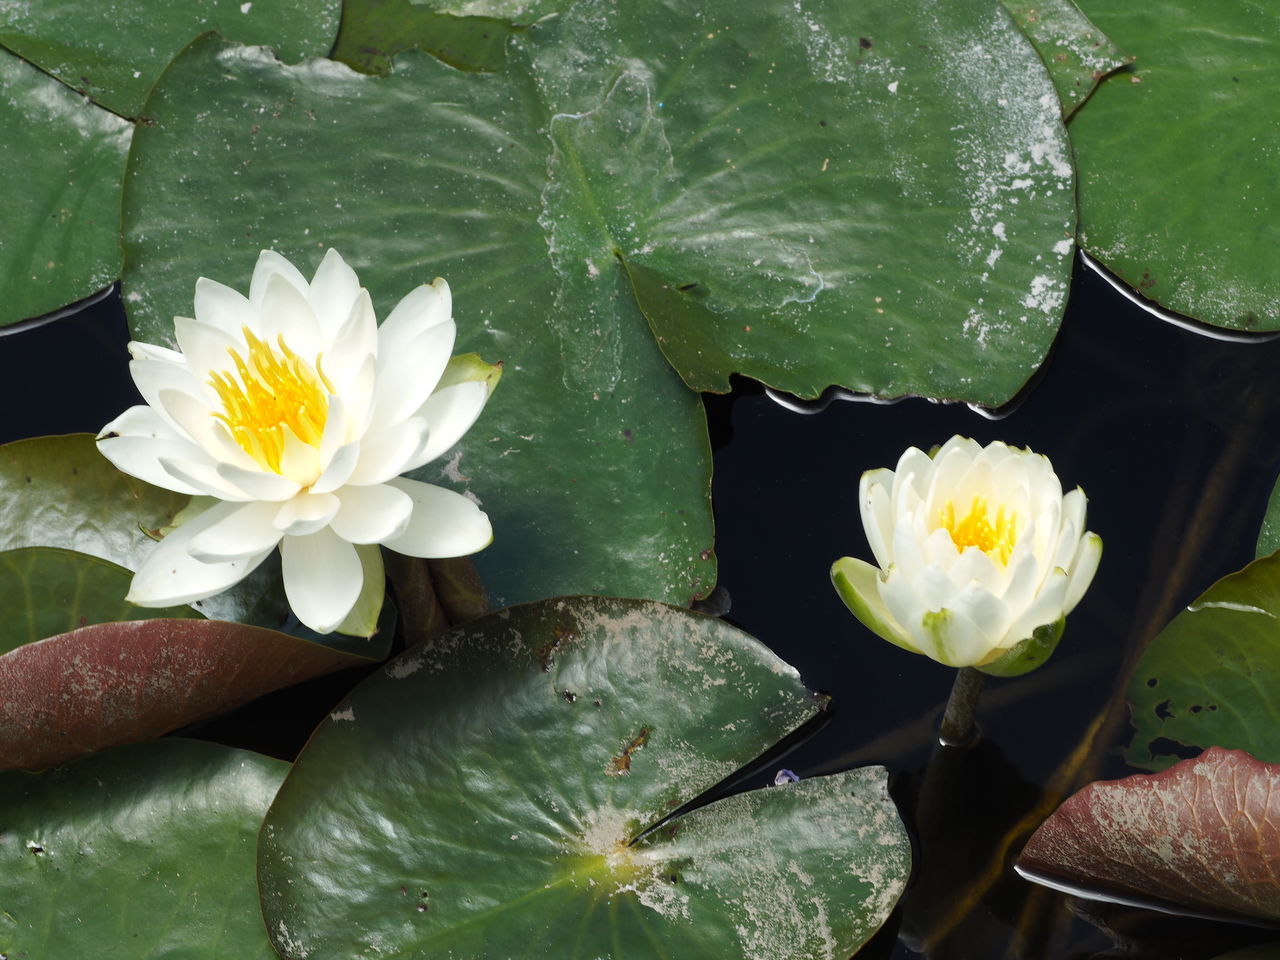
{"x": 1178, "y": 192}
{"x": 138, "y": 853}
{"x": 487, "y": 794}
{"x": 572, "y": 458}
{"x": 1209, "y": 678}
{"x": 59, "y": 230}
{"x": 1076, "y": 52}
{"x": 45, "y": 590}
{"x": 113, "y": 52}
{"x": 877, "y": 195}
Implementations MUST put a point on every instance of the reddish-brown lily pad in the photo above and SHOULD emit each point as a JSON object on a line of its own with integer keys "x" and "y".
{"x": 1201, "y": 838}
{"x": 114, "y": 683}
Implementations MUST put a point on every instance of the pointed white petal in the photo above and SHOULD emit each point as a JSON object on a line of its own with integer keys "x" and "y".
{"x": 244, "y": 531}
{"x": 444, "y": 523}
{"x": 152, "y": 377}
{"x": 449, "y": 414}
{"x": 323, "y": 577}
{"x": 287, "y": 313}
{"x": 221, "y": 307}
{"x": 205, "y": 346}
{"x": 305, "y": 514}
{"x": 351, "y": 344}
{"x": 270, "y": 264}
{"x": 333, "y": 289}
{"x": 408, "y": 374}
{"x": 875, "y": 505}
{"x": 1083, "y": 567}
{"x": 424, "y": 307}
{"x": 372, "y": 514}
{"x": 170, "y": 575}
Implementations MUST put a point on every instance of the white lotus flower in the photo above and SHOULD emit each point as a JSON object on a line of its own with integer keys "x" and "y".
{"x": 299, "y": 413}
{"x": 981, "y": 556}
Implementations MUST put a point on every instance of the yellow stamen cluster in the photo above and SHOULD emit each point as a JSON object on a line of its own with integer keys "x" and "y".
{"x": 976, "y": 529}
{"x": 268, "y": 392}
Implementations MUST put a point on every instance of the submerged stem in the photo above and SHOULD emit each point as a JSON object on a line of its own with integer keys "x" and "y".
{"x": 958, "y": 728}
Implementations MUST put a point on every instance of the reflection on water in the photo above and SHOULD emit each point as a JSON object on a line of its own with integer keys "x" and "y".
{"x": 1170, "y": 434}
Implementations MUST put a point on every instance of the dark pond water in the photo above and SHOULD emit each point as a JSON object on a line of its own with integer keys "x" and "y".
{"x": 1170, "y": 432}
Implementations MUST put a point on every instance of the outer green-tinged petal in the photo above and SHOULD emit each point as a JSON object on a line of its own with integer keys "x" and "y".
{"x": 857, "y": 582}
{"x": 1027, "y": 654}
{"x": 1083, "y": 567}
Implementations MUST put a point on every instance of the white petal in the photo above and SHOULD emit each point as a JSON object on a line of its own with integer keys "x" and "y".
{"x": 424, "y": 307}
{"x": 353, "y": 343}
{"x": 299, "y": 461}
{"x": 152, "y": 377}
{"x": 192, "y": 414}
{"x": 286, "y": 313}
{"x": 141, "y": 421}
{"x": 1083, "y": 566}
{"x": 384, "y": 454}
{"x": 243, "y": 532}
{"x": 333, "y": 290}
{"x": 950, "y": 637}
{"x": 444, "y": 523}
{"x": 408, "y": 374}
{"x": 269, "y": 264}
{"x": 874, "y": 489}
{"x": 339, "y": 470}
{"x": 372, "y": 514}
{"x": 206, "y": 477}
{"x": 322, "y": 578}
{"x": 205, "y": 346}
{"x": 220, "y": 306}
{"x": 149, "y": 351}
{"x": 170, "y": 575}
{"x": 141, "y": 456}
{"x": 1047, "y": 607}
{"x": 305, "y": 514}
{"x": 449, "y": 414}
{"x": 259, "y": 484}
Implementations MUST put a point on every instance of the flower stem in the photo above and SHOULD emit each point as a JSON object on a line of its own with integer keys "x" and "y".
{"x": 958, "y": 728}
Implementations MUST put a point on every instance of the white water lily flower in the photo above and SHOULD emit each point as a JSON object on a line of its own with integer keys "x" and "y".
{"x": 980, "y": 556}
{"x": 299, "y": 414}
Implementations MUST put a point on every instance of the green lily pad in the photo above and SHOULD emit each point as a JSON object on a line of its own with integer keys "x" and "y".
{"x": 113, "y": 52}
{"x": 572, "y": 458}
{"x": 60, "y": 492}
{"x": 1178, "y": 193}
{"x": 487, "y": 794}
{"x": 1076, "y": 52}
{"x": 142, "y": 852}
{"x": 877, "y": 195}
{"x": 60, "y": 240}
{"x": 45, "y": 590}
{"x": 1209, "y": 678}
{"x": 374, "y": 31}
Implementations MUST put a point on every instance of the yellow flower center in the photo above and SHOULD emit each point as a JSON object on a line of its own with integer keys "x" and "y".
{"x": 993, "y": 536}
{"x": 269, "y": 392}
